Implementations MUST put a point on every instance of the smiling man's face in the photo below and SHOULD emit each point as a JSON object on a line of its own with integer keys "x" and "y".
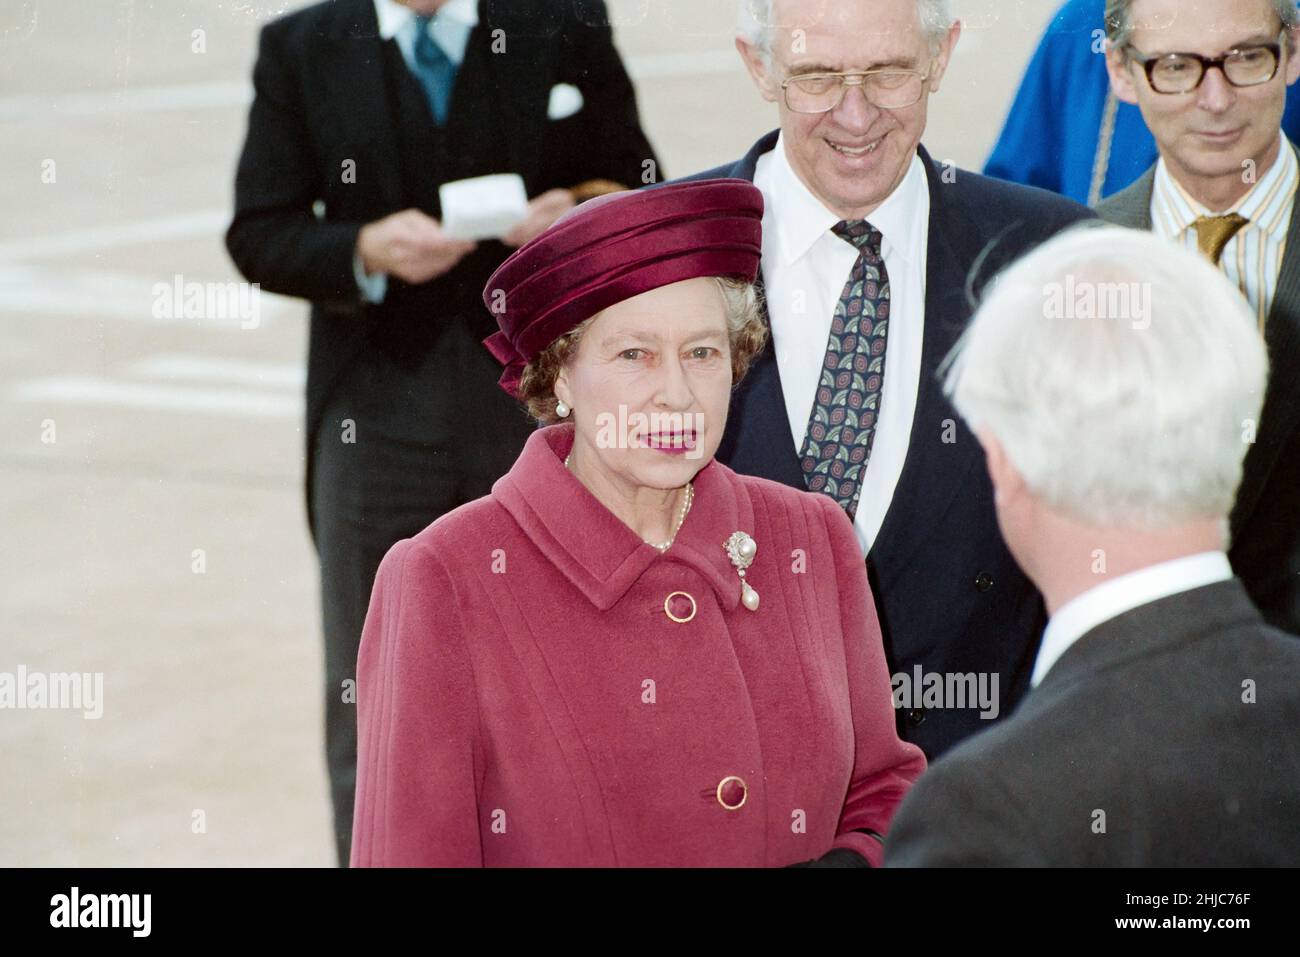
{"x": 853, "y": 157}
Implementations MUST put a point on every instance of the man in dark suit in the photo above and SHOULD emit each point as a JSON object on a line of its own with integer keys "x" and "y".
{"x": 1107, "y": 376}
{"x": 1226, "y": 183}
{"x": 363, "y": 108}
{"x": 861, "y": 222}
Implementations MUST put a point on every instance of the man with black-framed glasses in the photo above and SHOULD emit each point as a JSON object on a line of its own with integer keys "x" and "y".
{"x": 1211, "y": 78}
{"x": 867, "y": 247}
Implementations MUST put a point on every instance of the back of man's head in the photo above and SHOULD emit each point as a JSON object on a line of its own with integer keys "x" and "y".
{"x": 1121, "y": 375}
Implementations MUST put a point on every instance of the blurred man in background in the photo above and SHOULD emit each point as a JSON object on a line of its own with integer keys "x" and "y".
{"x": 1108, "y": 375}
{"x": 1212, "y": 84}
{"x": 362, "y": 110}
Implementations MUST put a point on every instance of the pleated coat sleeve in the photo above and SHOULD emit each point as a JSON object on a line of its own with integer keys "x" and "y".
{"x": 418, "y": 746}
{"x": 884, "y": 767}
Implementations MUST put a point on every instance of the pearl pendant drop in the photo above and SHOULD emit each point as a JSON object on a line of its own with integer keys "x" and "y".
{"x": 741, "y": 549}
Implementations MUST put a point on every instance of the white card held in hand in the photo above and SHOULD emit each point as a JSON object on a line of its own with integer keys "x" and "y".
{"x": 485, "y": 207}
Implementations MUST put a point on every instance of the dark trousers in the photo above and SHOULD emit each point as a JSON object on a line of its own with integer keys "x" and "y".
{"x": 386, "y": 485}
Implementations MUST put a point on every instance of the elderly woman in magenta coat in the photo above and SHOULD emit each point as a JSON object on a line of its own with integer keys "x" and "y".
{"x": 628, "y": 654}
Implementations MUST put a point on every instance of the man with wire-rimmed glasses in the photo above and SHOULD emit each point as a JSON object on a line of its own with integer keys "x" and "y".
{"x": 867, "y": 246}
{"x": 1211, "y": 78}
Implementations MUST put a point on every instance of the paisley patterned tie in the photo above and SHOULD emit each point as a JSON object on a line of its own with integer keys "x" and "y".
{"x": 847, "y": 406}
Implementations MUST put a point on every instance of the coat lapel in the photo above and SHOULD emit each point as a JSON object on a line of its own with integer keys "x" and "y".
{"x": 351, "y": 73}
{"x": 745, "y": 166}
{"x": 757, "y": 440}
{"x": 521, "y": 72}
{"x": 1131, "y": 206}
{"x": 941, "y": 451}
{"x": 592, "y": 548}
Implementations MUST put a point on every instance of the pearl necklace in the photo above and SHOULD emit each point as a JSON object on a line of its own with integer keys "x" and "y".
{"x": 687, "y": 499}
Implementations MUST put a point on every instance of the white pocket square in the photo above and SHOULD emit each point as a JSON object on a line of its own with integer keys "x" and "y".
{"x": 566, "y": 99}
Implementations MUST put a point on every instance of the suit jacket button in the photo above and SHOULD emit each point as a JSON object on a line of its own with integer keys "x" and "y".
{"x": 983, "y": 581}
{"x": 732, "y": 793}
{"x": 915, "y": 716}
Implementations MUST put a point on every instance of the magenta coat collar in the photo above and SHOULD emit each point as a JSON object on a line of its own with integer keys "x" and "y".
{"x": 600, "y": 555}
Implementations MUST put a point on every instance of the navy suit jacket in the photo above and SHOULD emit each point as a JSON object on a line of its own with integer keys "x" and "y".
{"x": 951, "y": 598}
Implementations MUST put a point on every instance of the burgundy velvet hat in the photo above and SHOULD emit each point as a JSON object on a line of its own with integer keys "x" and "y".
{"x": 615, "y": 247}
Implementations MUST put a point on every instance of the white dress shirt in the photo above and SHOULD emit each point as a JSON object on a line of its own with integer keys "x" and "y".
{"x": 805, "y": 268}
{"x": 1252, "y": 259}
{"x": 1110, "y": 599}
{"x": 450, "y": 29}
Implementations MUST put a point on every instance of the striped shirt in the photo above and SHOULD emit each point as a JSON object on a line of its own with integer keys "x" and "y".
{"x": 1253, "y": 257}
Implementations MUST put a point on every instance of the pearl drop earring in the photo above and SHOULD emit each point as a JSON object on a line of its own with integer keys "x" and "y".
{"x": 561, "y": 409}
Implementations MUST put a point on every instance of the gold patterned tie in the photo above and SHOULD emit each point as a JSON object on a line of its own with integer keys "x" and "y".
{"x": 1213, "y": 233}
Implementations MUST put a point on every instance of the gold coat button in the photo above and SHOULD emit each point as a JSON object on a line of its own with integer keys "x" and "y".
{"x": 732, "y": 793}
{"x": 680, "y": 607}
